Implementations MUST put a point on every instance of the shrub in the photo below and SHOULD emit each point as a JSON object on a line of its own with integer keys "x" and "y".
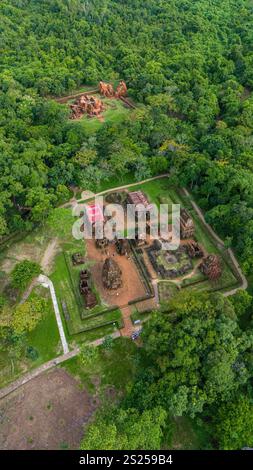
{"x": 27, "y": 315}
{"x": 32, "y": 353}
{"x": 23, "y": 273}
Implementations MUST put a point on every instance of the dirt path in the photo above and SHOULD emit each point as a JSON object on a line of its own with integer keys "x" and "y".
{"x": 128, "y": 325}
{"x": 46, "y": 263}
{"x": 74, "y": 202}
{"x": 49, "y": 255}
{"x": 29, "y": 290}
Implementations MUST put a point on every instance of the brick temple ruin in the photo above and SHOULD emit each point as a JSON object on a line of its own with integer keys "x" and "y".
{"x": 111, "y": 274}
{"x": 93, "y": 106}
{"x": 78, "y": 258}
{"x": 86, "y": 104}
{"x": 85, "y": 289}
{"x": 211, "y": 267}
{"x": 186, "y": 225}
{"x": 194, "y": 249}
{"x": 107, "y": 90}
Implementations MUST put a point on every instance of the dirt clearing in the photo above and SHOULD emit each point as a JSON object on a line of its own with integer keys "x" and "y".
{"x": 49, "y": 412}
{"x": 132, "y": 286}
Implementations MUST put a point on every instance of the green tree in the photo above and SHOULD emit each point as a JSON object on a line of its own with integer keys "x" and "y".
{"x": 126, "y": 430}
{"x": 27, "y": 315}
{"x": 233, "y": 424}
{"x": 197, "y": 355}
{"x": 23, "y": 273}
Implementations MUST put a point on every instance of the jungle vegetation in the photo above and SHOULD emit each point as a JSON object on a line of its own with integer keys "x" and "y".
{"x": 189, "y": 63}
{"x": 189, "y": 66}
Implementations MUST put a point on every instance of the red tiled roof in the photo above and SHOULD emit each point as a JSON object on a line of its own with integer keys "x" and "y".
{"x": 94, "y": 213}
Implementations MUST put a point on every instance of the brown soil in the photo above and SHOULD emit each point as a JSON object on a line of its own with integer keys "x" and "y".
{"x": 132, "y": 286}
{"x": 128, "y": 325}
{"x": 49, "y": 412}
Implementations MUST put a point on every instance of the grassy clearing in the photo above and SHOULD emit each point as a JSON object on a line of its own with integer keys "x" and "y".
{"x": 187, "y": 435}
{"x": 113, "y": 182}
{"x": 113, "y": 368}
{"x": 10, "y": 368}
{"x": 116, "y": 111}
{"x": 44, "y": 339}
{"x": 166, "y": 290}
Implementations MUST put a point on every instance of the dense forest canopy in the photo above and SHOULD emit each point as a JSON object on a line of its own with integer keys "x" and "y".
{"x": 190, "y": 63}
{"x": 196, "y": 361}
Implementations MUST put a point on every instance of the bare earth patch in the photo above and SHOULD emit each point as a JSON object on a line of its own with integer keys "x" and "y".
{"x": 132, "y": 286}
{"x": 49, "y": 412}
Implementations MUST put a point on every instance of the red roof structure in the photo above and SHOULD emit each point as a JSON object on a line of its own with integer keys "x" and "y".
{"x": 94, "y": 213}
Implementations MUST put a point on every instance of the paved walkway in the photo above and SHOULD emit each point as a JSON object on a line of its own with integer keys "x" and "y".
{"x": 46, "y": 282}
{"x": 47, "y": 366}
{"x": 34, "y": 373}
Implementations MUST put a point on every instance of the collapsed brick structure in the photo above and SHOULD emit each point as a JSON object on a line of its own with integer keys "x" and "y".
{"x": 111, "y": 274}
{"x": 194, "y": 249}
{"x": 211, "y": 267}
{"x": 89, "y": 296}
{"x": 121, "y": 89}
{"x": 169, "y": 264}
{"x": 186, "y": 225}
{"x": 121, "y": 246}
{"x": 78, "y": 258}
{"x": 106, "y": 90}
{"x": 102, "y": 242}
{"x": 86, "y": 104}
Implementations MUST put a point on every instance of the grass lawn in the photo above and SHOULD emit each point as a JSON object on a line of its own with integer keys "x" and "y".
{"x": 10, "y": 368}
{"x": 44, "y": 339}
{"x": 166, "y": 290}
{"x": 116, "y": 111}
{"x": 67, "y": 291}
{"x": 187, "y": 435}
{"x": 113, "y": 368}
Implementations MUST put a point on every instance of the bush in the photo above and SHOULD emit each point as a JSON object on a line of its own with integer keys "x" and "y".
{"x": 23, "y": 273}
{"x": 2, "y": 302}
{"x": 88, "y": 355}
{"x": 28, "y": 315}
{"x": 32, "y": 353}
{"x": 107, "y": 343}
